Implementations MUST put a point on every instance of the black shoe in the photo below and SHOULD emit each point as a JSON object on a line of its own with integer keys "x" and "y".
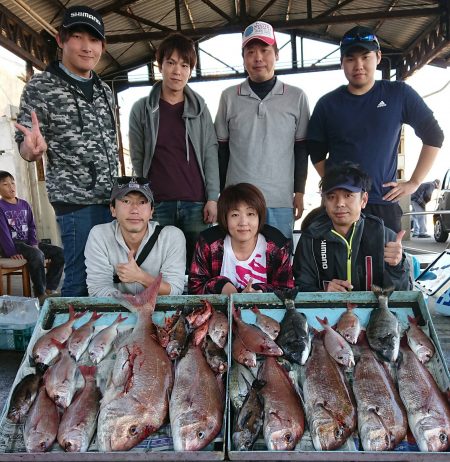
{"x": 423, "y": 235}
{"x": 414, "y": 234}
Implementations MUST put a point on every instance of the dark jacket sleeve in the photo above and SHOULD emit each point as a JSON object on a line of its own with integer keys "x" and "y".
{"x": 224, "y": 157}
{"x": 202, "y": 278}
{"x": 301, "y": 166}
{"x": 305, "y": 269}
{"x": 400, "y": 274}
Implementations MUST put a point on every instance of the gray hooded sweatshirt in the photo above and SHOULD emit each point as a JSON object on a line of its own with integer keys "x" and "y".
{"x": 143, "y": 134}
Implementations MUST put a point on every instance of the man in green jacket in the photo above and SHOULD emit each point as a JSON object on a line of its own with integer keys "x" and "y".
{"x": 173, "y": 144}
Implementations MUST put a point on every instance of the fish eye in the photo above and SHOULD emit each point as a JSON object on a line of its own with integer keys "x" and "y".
{"x": 443, "y": 437}
{"x": 67, "y": 446}
{"x": 288, "y": 437}
{"x": 247, "y": 443}
{"x": 43, "y": 445}
{"x": 133, "y": 430}
{"x": 338, "y": 433}
{"x": 200, "y": 435}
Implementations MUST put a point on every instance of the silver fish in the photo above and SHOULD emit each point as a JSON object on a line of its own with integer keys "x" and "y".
{"x": 80, "y": 338}
{"x": 383, "y": 329}
{"x": 238, "y": 379}
{"x": 23, "y": 396}
{"x": 60, "y": 378}
{"x": 419, "y": 342}
{"x": 102, "y": 343}
{"x": 218, "y": 328}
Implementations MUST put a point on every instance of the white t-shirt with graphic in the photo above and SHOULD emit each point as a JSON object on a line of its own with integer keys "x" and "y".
{"x": 239, "y": 272}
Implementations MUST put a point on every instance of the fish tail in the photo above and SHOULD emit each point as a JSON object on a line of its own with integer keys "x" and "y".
{"x": 236, "y": 313}
{"x": 96, "y": 316}
{"x": 351, "y": 306}
{"x": 144, "y": 300}
{"x": 120, "y": 318}
{"x": 88, "y": 371}
{"x": 286, "y": 294}
{"x": 412, "y": 320}
{"x": 255, "y": 309}
{"x": 379, "y": 291}
{"x": 323, "y": 322}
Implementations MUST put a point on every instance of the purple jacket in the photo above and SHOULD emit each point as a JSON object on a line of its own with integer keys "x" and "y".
{"x": 16, "y": 223}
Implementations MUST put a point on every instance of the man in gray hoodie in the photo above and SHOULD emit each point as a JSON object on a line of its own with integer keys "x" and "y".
{"x": 173, "y": 144}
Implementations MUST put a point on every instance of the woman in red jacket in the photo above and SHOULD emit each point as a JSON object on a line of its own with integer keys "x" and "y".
{"x": 242, "y": 253}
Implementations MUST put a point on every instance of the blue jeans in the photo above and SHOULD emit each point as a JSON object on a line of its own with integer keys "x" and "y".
{"x": 281, "y": 218}
{"x": 36, "y": 264}
{"x": 75, "y": 228}
{"x": 188, "y": 216}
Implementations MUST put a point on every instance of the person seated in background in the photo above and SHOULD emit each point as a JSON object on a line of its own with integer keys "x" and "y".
{"x": 18, "y": 240}
{"x": 342, "y": 249}
{"x": 127, "y": 254}
{"x": 241, "y": 253}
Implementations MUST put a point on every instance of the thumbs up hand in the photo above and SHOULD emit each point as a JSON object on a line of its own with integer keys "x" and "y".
{"x": 130, "y": 271}
{"x": 393, "y": 251}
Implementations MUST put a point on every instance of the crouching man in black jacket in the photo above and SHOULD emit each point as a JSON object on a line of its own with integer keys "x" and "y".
{"x": 343, "y": 249}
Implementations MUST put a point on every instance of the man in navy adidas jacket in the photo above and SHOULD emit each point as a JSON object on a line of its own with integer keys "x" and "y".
{"x": 361, "y": 122}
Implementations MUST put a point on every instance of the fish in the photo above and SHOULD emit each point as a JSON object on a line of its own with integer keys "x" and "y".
{"x": 383, "y": 328}
{"x": 427, "y": 409}
{"x": 200, "y": 315}
{"x": 382, "y": 420}
{"x": 196, "y": 404}
{"x": 329, "y": 403}
{"x": 336, "y": 345}
{"x": 419, "y": 342}
{"x": 255, "y": 339}
{"x": 79, "y": 421}
{"x": 44, "y": 350}
{"x": 349, "y": 325}
{"x": 200, "y": 334}
{"x": 218, "y": 328}
{"x": 102, "y": 343}
{"x": 284, "y": 418}
{"x": 268, "y": 325}
{"x": 177, "y": 337}
{"x": 241, "y": 354}
{"x": 215, "y": 356}
{"x": 250, "y": 418}
{"x": 23, "y": 396}
{"x": 60, "y": 378}
{"x": 294, "y": 337}
{"x": 80, "y": 338}
{"x": 135, "y": 403}
{"x": 41, "y": 426}
{"x": 239, "y": 378}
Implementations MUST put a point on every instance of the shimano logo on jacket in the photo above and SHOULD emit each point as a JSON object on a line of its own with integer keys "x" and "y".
{"x": 323, "y": 254}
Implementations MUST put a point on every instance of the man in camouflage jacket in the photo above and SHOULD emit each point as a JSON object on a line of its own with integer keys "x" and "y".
{"x": 68, "y": 112}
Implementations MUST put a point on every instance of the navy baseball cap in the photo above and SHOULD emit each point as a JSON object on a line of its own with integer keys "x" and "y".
{"x": 123, "y": 185}
{"x": 348, "y": 183}
{"x": 84, "y": 16}
{"x": 359, "y": 37}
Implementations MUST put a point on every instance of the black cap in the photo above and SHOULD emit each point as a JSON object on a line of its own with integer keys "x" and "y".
{"x": 126, "y": 184}
{"x": 348, "y": 183}
{"x": 84, "y": 16}
{"x": 359, "y": 37}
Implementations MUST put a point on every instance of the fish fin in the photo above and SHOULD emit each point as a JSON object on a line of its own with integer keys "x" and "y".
{"x": 323, "y": 322}
{"x": 120, "y": 318}
{"x": 286, "y": 294}
{"x": 147, "y": 297}
{"x": 57, "y": 344}
{"x": 412, "y": 320}
{"x": 382, "y": 291}
{"x": 79, "y": 314}
{"x": 351, "y": 306}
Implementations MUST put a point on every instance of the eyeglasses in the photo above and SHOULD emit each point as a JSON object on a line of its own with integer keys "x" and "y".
{"x": 360, "y": 38}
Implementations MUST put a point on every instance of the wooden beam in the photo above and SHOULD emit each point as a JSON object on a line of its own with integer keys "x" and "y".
{"x": 283, "y": 25}
{"x": 114, "y": 6}
{"x": 217, "y": 10}
{"x": 142, "y": 20}
{"x": 260, "y": 14}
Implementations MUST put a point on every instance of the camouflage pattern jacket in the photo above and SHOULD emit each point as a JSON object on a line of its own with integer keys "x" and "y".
{"x": 80, "y": 135}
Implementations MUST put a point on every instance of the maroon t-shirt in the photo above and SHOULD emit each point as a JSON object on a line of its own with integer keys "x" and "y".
{"x": 172, "y": 176}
